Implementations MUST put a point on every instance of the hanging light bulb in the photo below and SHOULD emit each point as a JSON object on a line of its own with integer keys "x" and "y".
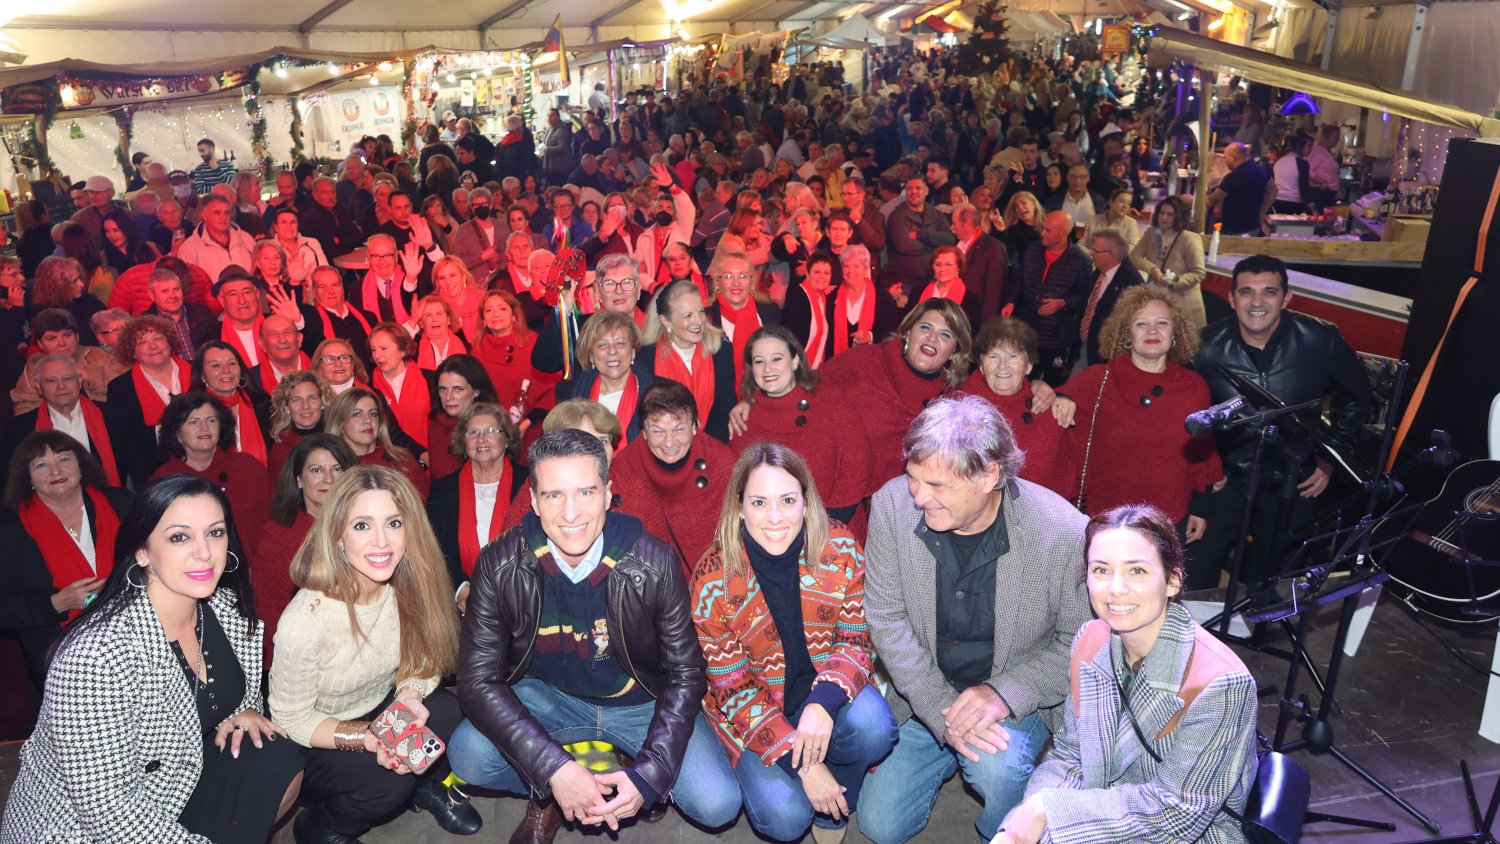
{"x": 333, "y": 69}
{"x": 374, "y": 80}
{"x": 281, "y": 71}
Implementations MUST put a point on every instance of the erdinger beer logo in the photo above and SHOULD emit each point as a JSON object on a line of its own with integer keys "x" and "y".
{"x": 350, "y": 108}
{"x": 382, "y": 105}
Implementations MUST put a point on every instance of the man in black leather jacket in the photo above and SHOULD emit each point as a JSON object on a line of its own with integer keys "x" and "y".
{"x": 578, "y": 628}
{"x": 1296, "y": 358}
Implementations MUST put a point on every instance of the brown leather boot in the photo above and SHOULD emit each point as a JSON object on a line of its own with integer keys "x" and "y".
{"x": 540, "y": 825}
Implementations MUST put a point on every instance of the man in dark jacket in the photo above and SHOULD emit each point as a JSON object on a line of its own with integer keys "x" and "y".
{"x": 912, "y": 231}
{"x": 1296, "y": 358}
{"x": 333, "y": 229}
{"x": 578, "y": 624}
{"x": 1112, "y": 259}
{"x": 1052, "y": 286}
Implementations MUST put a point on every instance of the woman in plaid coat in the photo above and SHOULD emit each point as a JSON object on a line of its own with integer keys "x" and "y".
{"x": 1158, "y": 734}
{"x": 796, "y": 714}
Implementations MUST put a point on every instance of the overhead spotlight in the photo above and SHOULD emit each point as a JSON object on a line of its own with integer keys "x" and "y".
{"x": 333, "y": 69}
{"x": 374, "y": 80}
{"x": 281, "y": 71}
{"x": 1216, "y": 24}
{"x": 452, "y": 79}
{"x": 1182, "y": 16}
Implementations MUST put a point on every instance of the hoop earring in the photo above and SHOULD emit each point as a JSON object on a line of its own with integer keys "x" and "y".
{"x": 132, "y": 583}
{"x": 243, "y": 382}
{"x": 236, "y": 563}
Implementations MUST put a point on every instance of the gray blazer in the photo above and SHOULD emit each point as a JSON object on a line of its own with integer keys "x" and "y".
{"x": 1040, "y": 603}
{"x": 118, "y": 749}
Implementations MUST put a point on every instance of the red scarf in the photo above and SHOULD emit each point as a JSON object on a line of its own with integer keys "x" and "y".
{"x": 468, "y": 519}
{"x": 268, "y": 377}
{"x": 328, "y": 323}
{"x": 412, "y": 405}
{"x": 251, "y": 441}
{"x": 817, "y": 330}
{"x": 64, "y": 558}
{"x": 627, "y": 404}
{"x": 956, "y": 291}
{"x": 700, "y": 380}
{"x": 745, "y": 321}
{"x": 371, "y": 293}
{"x": 93, "y": 422}
{"x": 151, "y": 404}
{"x": 840, "y": 318}
{"x": 427, "y": 351}
{"x": 229, "y": 334}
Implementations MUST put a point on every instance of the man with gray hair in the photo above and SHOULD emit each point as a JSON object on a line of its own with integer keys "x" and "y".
{"x": 973, "y": 596}
{"x": 1116, "y": 272}
{"x": 218, "y": 242}
{"x": 617, "y": 282}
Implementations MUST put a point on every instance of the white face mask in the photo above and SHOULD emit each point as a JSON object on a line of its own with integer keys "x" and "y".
{"x": 182, "y": 191}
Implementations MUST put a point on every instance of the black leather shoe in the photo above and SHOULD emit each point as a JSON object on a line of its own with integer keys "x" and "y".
{"x": 653, "y": 813}
{"x": 449, "y": 806}
{"x": 308, "y": 829}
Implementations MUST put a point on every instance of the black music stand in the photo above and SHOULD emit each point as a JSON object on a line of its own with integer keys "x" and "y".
{"x": 1483, "y": 826}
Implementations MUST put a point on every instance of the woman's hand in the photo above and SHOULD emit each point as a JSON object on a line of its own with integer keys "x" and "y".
{"x": 1196, "y": 525}
{"x": 824, "y": 792}
{"x": 1025, "y": 824}
{"x": 75, "y": 594}
{"x": 412, "y": 699}
{"x": 814, "y": 731}
{"x": 1065, "y": 411}
{"x": 282, "y": 303}
{"x": 257, "y": 726}
{"x": 739, "y": 419}
{"x": 462, "y": 599}
{"x": 382, "y": 757}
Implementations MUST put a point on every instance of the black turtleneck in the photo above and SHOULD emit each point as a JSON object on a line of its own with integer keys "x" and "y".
{"x": 672, "y": 467}
{"x": 925, "y": 376}
{"x": 780, "y": 585}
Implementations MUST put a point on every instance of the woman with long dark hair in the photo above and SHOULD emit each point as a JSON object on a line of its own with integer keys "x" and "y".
{"x": 123, "y": 245}
{"x": 163, "y": 666}
{"x": 197, "y": 437}
{"x": 98, "y": 278}
{"x": 220, "y": 371}
{"x": 458, "y": 382}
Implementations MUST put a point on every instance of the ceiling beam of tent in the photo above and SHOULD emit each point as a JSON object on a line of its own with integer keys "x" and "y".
{"x": 751, "y": 14}
{"x": 352, "y": 73}
{"x": 792, "y": 15}
{"x": 321, "y": 15}
{"x": 484, "y": 25}
{"x": 612, "y": 13}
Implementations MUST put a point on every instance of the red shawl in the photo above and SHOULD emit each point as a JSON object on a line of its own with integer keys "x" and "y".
{"x": 956, "y": 291}
{"x": 63, "y": 556}
{"x": 252, "y": 442}
{"x": 427, "y": 351}
{"x": 627, "y": 404}
{"x": 700, "y": 380}
{"x": 817, "y": 329}
{"x": 440, "y": 461}
{"x": 230, "y": 335}
{"x": 468, "y": 519}
{"x": 840, "y": 317}
{"x": 269, "y": 378}
{"x": 412, "y": 405}
{"x": 745, "y": 321}
{"x": 151, "y": 404}
{"x": 93, "y": 422}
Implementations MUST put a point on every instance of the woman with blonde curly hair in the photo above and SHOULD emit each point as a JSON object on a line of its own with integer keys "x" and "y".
{"x": 1022, "y": 223}
{"x": 1130, "y": 411}
{"x": 373, "y": 626}
{"x": 297, "y": 406}
{"x": 63, "y": 283}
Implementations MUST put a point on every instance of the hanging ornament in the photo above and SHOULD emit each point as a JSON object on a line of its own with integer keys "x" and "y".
{"x": 75, "y": 131}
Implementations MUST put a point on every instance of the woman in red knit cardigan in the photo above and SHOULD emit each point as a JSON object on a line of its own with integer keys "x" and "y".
{"x": 1007, "y": 352}
{"x": 1132, "y": 409}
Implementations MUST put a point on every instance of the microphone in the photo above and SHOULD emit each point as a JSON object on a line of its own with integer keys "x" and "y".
{"x": 1203, "y": 421}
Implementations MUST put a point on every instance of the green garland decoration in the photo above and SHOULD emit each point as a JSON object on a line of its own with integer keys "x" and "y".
{"x": 36, "y": 145}
{"x": 296, "y": 129}
{"x": 409, "y": 127}
{"x": 257, "y": 117}
{"x": 125, "y": 120}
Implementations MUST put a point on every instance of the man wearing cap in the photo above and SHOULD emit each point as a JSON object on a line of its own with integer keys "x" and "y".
{"x": 217, "y": 242}
{"x": 239, "y": 294}
{"x": 212, "y": 171}
{"x": 100, "y": 192}
{"x": 195, "y": 323}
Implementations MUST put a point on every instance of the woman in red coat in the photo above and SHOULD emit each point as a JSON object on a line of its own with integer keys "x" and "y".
{"x": 197, "y": 437}
{"x": 301, "y": 488}
{"x": 1007, "y": 353}
{"x": 458, "y": 382}
{"x": 358, "y": 417}
{"x": 788, "y": 407}
{"x": 297, "y": 406}
{"x": 399, "y": 380}
{"x": 504, "y": 345}
{"x": 1132, "y": 409}
{"x": 674, "y": 476}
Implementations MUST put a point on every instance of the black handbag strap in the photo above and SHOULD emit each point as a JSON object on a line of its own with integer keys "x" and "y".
{"x": 1141, "y": 736}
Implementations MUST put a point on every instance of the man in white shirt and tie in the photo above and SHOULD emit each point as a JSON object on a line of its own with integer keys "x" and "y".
{"x": 1115, "y": 274}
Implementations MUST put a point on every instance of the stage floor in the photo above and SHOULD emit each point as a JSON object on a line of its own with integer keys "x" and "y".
{"x": 1410, "y": 713}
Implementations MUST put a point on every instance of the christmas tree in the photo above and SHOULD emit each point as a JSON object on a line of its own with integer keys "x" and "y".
{"x": 987, "y": 47}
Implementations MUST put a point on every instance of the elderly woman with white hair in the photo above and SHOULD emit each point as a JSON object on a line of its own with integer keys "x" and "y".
{"x": 972, "y": 595}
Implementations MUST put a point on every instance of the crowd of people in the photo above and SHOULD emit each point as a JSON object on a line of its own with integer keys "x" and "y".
{"x": 547, "y": 440}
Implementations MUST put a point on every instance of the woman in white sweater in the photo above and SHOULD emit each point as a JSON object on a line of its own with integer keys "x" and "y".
{"x": 373, "y": 625}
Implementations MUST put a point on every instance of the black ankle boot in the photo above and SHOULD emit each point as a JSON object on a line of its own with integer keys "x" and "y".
{"x": 309, "y": 828}
{"x": 449, "y": 806}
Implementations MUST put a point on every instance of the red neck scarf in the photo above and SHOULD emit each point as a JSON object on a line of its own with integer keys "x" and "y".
{"x": 817, "y": 332}
{"x": 229, "y": 334}
{"x": 840, "y": 318}
{"x": 353, "y": 311}
{"x": 956, "y": 291}
{"x": 427, "y": 352}
{"x": 151, "y": 402}
{"x": 64, "y": 558}
{"x": 251, "y": 441}
{"x": 627, "y": 404}
{"x": 700, "y": 380}
{"x": 412, "y": 405}
{"x": 270, "y": 376}
{"x": 371, "y": 295}
{"x": 744, "y": 321}
{"x": 93, "y": 422}
{"x": 468, "y": 519}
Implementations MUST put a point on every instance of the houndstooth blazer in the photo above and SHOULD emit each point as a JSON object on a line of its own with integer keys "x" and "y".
{"x": 118, "y": 748}
{"x": 1100, "y": 786}
{"x": 1039, "y": 603}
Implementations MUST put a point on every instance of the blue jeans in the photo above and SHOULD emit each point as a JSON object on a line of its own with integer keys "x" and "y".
{"x": 898, "y": 797}
{"x": 775, "y": 803}
{"x": 705, "y": 790}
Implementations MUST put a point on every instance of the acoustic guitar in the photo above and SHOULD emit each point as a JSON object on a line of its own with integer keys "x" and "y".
{"x": 1452, "y": 548}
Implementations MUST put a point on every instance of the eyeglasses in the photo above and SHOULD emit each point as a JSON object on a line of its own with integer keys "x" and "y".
{"x": 476, "y": 433}
{"x": 610, "y": 285}
{"x": 331, "y": 359}
{"x": 374, "y": 255}
{"x": 734, "y": 276}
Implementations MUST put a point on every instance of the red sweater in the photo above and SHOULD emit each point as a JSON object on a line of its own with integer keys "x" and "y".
{"x": 1054, "y": 454}
{"x": 1141, "y": 452}
{"x": 281, "y": 451}
{"x": 247, "y": 484}
{"x": 682, "y": 506}
{"x": 823, "y": 428}
{"x": 887, "y": 395}
{"x": 410, "y": 468}
{"x": 270, "y": 573}
{"x": 440, "y": 461}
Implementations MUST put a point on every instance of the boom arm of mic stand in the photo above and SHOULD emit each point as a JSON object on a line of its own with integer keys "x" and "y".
{"x": 1263, "y": 398}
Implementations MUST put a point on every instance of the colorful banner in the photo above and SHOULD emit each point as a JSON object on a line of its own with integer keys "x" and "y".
{"x": 343, "y": 117}
{"x": 102, "y": 92}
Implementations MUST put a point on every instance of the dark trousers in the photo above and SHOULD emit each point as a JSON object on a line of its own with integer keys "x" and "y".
{"x": 1053, "y": 364}
{"x": 1264, "y": 552}
{"x": 353, "y": 793}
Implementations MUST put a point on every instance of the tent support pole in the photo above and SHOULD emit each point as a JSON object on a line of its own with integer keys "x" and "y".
{"x": 1205, "y": 147}
{"x": 1414, "y": 45}
{"x": 1330, "y": 34}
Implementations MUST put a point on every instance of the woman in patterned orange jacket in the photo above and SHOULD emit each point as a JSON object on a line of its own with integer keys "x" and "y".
{"x": 797, "y": 714}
